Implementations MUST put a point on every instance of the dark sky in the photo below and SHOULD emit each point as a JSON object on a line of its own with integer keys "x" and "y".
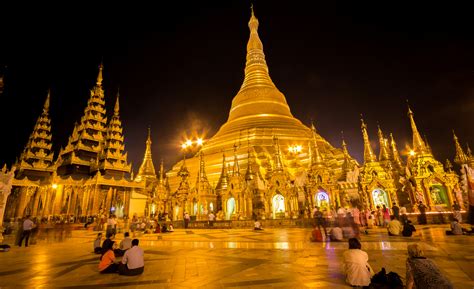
{"x": 178, "y": 67}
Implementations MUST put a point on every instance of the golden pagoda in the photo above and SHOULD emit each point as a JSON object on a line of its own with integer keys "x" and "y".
{"x": 259, "y": 116}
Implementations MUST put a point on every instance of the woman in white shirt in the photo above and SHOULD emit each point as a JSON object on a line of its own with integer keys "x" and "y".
{"x": 356, "y": 267}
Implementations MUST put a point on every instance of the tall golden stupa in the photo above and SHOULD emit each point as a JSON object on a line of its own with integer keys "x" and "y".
{"x": 259, "y": 115}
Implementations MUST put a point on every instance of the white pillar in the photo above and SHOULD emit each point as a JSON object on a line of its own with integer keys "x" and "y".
{"x": 6, "y": 178}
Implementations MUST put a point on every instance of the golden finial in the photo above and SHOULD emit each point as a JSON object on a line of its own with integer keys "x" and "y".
{"x": 46, "y": 103}
{"x": 418, "y": 143}
{"x": 117, "y": 105}
{"x": 99, "y": 76}
{"x": 460, "y": 157}
{"x": 368, "y": 153}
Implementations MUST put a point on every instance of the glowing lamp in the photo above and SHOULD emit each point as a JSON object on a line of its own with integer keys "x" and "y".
{"x": 412, "y": 153}
{"x": 199, "y": 141}
{"x": 54, "y": 186}
{"x": 189, "y": 143}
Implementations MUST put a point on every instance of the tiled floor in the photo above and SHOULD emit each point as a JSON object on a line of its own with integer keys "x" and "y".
{"x": 239, "y": 258}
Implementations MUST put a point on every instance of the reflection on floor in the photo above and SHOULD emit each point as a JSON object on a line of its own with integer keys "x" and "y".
{"x": 235, "y": 258}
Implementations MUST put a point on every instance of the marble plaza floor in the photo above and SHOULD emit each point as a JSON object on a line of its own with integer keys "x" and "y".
{"x": 233, "y": 258}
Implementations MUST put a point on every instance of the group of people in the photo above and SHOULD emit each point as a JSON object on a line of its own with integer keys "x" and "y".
{"x": 420, "y": 271}
{"x": 132, "y": 262}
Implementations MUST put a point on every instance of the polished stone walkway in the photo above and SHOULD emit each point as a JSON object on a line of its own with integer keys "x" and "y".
{"x": 234, "y": 258}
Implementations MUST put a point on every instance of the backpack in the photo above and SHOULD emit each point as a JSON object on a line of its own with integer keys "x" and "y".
{"x": 382, "y": 280}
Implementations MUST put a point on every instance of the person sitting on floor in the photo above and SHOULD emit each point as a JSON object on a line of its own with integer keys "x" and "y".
{"x": 97, "y": 247}
{"x": 422, "y": 272}
{"x": 107, "y": 260}
{"x": 257, "y": 225}
{"x": 408, "y": 229}
{"x": 105, "y": 244}
{"x": 171, "y": 229}
{"x": 132, "y": 262}
{"x": 316, "y": 235}
{"x": 4, "y": 247}
{"x": 336, "y": 234}
{"x": 356, "y": 266}
{"x": 125, "y": 244}
{"x": 394, "y": 227}
{"x": 164, "y": 228}
{"x": 456, "y": 228}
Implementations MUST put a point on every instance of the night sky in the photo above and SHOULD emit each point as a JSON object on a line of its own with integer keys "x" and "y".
{"x": 178, "y": 67}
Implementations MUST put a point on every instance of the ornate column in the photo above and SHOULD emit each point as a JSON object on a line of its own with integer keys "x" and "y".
{"x": 6, "y": 178}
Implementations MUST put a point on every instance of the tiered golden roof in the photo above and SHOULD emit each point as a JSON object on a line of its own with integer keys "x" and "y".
{"x": 38, "y": 154}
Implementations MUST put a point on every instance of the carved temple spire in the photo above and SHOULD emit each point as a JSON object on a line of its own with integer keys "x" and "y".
{"x": 418, "y": 143}
{"x": 395, "y": 154}
{"x": 277, "y": 161}
{"x": 468, "y": 151}
{"x": 460, "y": 158}
{"x": 383, "y": 155}
{"x": 38, "y": 153}
{"x": 202, "y": 177}
{"x": 235, "y": 168}
{"x": 147, "y": 169}
{"x": 347, "y": 165}
{"x": 223, "y": 182}
{"x": 316, "y": 158}
{"x": 113, "y": 156}
{"x": 369, "y": 155}
{"x": 161, "y": 176}
{"x": 86, "y": 141}
{"x": 99, "y": 75}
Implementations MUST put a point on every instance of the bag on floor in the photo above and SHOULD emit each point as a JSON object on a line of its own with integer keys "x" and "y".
{"x": 382, "y": 280}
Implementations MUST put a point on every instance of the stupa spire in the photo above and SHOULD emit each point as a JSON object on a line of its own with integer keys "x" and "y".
{"x": 368, "y": 153}
{"x": 46, "y": 103}
{"x": 316, "y": 158}
{"x": 99, "y": 75}
{"x": 235, "y": 168}
{"x": 117, "y": 105}
{"x": 278, "y": 163}
{"x": 161, "y": 177}
{"x": 383, "y": 156}
{"x": 147, "y": 169}
{"x": 460, "y": 158}
{"x": 202, "y": 165}
{"x": 223, "y": 182}
{"x": 347, "y": 164}
{"x": 418, "y": 143}
{"x": 395, "y": 153}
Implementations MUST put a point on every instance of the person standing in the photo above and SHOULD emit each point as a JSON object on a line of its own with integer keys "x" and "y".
{"x": 379, "y": 217}
{"x": 28, "y": 225}
{"x": 319, "y": 220}
{"x": 211, "y": 217}
{"x": 396, "y": 211}
{"x": 386, "y": 215}
{"x": 186, "y": 220}
{"x": 422, "y": 209}
{"x": 457, "y": 211}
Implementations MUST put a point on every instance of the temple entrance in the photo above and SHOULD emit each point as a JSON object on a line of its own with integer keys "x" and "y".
{"x": 230, "y": 208}
{"x": 278, "y": 204}
{"x": 438, "y": 194}
{"x": 380, "y": 198}
{"x": 322, "y": 200}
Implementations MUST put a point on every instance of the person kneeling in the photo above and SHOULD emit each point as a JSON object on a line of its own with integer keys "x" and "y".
{"x": 456, "y": 228}
{"x": 132, "y": 261}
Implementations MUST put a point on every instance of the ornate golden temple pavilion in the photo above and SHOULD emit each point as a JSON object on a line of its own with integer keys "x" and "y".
{"x": 263, "y": 162}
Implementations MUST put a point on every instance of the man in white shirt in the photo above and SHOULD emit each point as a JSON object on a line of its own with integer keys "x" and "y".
{"x": 132, "y": 262}
{"x": 28, "y": 225}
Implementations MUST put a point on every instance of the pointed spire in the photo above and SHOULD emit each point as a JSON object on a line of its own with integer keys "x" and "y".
{"x": 460, "y": 158}
{"x": 316, "y": 158}
{"x": 395, "y": 154}
{"x": 428, "y": 147}
{"x": 468, "y": 151}
{"x": 46, "y": 103}
{"x": 347, "y": 164}
{"x": 117, "y": 105}
{"x": 99, "y": 76}
{"x": 249, "y": 174}
{"x": 278, "y": 163}
{"x": 236, "y": 168}
{"x": 368, "y": 153}
{"x": 383, "y": 156}
{"x": 448, "y": 166}
{"x": 418, "y": 143}
{"x": 223, "y": 182}
{"x": 162, "y": 172}
{"x": 147, "y": 169}
{"x": 202, "y": 165}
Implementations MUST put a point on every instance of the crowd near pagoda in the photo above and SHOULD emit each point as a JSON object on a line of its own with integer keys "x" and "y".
{"x": 263, "y": 162}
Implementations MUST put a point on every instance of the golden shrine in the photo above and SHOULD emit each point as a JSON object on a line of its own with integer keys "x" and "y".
{"x": 263, "y": 162}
